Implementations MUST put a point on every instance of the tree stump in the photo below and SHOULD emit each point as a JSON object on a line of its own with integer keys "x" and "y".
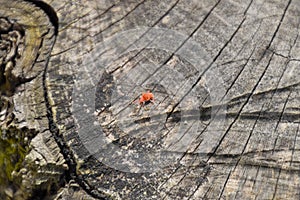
{"x": 225, "y": 119}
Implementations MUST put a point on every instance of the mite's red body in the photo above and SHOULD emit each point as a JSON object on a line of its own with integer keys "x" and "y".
{"x": 146, "y": 98}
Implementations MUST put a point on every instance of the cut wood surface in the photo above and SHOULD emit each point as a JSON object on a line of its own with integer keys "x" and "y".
{"x": 224, "y": 123}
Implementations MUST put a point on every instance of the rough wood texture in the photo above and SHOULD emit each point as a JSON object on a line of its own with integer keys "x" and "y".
{"x": 225, "y": 75}
{"x": 27, "y": 37}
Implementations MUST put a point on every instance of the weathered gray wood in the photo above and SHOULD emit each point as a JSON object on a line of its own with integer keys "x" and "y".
{"x": 248, "y": 149}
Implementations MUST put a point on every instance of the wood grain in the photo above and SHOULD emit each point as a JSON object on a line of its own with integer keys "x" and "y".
{"x": 240, "y": 138}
